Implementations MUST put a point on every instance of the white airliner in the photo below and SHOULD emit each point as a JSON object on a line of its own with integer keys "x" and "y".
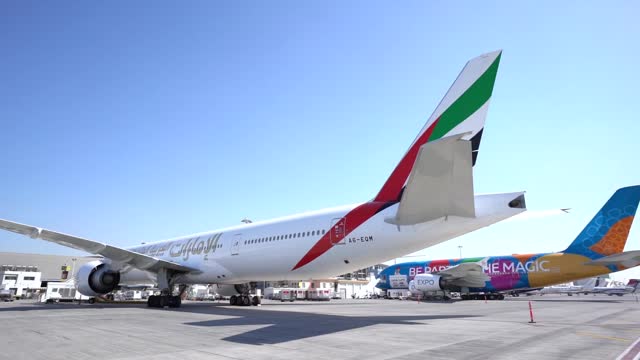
{"x": 427, "y": 199}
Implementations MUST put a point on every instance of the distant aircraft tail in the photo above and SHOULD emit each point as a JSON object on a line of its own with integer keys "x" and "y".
{"x": 463, "y": 110}
{"x": 607, "y": 232}
{"x": 634, "y": 284}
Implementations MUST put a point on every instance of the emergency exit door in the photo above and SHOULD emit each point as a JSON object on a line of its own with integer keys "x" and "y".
{"x": 337, "y": 232}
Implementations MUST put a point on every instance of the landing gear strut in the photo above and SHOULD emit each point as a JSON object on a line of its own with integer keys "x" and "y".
{"x": 166, "y": 298}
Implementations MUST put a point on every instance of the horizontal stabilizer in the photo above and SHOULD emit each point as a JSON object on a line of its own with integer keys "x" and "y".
{"x": 440, "y": 183}
{"x": 137, "y": 260}
{"x": 465, "y": 275}
{"x": 627, "y": 259}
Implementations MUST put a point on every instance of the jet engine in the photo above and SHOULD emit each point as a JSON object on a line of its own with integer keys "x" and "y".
{"x": 229, "y": 290}
{"x": 427, "y": 282}
{"x": 95, "y": 278}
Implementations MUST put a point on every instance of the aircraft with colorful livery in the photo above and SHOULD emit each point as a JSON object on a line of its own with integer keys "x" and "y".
{"x": 597, "y": 250}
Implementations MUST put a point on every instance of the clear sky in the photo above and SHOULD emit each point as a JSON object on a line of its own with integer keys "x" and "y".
{"x": 128, "y": 122}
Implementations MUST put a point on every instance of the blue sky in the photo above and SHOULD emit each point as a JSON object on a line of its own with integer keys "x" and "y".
{"x": 136, "y": 122}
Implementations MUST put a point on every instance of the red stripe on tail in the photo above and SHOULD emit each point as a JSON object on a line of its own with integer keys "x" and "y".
{"x": 391, "y": 189}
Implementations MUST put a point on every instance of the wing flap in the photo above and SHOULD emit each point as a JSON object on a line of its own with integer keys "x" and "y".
{"x": 440, "y": 183}
{"x": 128, "y": 257}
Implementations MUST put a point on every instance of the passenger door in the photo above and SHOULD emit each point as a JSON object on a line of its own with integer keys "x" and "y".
{"x": 235, "y": 244}
{"x": 337, "y": 231}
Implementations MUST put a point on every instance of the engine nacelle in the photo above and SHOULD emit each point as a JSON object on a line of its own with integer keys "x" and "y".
{"x": 229, "y": 290}
{"x": 95, "y": 278}
{"x": 427, "y": 282}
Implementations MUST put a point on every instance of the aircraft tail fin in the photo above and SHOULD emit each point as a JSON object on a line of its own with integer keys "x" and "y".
{"x": 606, "y": 234}
{"x": 634, "y": 284}
{"x": 463, "y": 110}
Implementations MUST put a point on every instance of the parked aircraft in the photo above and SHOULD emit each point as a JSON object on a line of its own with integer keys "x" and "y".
{"x": 596, "y": 251}
{"x": 590, "y": 286}
{"x": 630, "y": 288}
{"x": 427, "y": 199}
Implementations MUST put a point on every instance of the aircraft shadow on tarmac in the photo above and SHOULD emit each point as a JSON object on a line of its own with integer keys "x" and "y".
{"x": 283, "y": 326}
{"x": 573, "y": 300}
{"x": 278, "y": 326}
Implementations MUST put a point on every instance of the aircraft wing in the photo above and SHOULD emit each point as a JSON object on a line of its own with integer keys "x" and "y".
{"x": 465, "y": 275}
{"x": 440, "y": 183}
{"x": 137, "y": 260}
{"x": 627, "y": 259}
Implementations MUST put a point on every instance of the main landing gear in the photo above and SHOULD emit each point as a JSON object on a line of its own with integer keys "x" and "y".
{"x": 160, "y": 301}
{"x": 166, "y": 283}
{"x": 244, "y": 300}
{"x": 489, "y": 296}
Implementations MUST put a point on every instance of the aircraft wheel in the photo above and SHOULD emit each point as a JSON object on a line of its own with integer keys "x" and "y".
{"x": 246, "y": 301}
{"x": 174, "y": 301}
{"x": 501, "y": 297}
{"x": 492, "y": 296}
{"x": 233, "y": 300}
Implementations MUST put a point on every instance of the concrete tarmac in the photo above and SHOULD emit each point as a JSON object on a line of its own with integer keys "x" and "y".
{"x": 578, "y": 327}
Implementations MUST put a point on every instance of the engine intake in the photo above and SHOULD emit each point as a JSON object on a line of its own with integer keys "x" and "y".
{"x": 96, "y": 278}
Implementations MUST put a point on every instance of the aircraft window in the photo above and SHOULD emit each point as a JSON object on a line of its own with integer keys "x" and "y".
{"x": 313, "y": 232}
{"x": 323, "y": 231}
{"x": 294, "y": 235}
{"x": 245, "y": 242}
{"x": 298, "y": 234}
{"x": 308, "y": 233}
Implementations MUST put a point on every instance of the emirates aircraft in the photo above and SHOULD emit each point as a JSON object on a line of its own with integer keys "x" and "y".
{"x": 427, "y": 199}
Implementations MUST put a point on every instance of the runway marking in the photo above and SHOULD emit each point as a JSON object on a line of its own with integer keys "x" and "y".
{"x": 600, "y": 336}
{"x": 632, "y": 352}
